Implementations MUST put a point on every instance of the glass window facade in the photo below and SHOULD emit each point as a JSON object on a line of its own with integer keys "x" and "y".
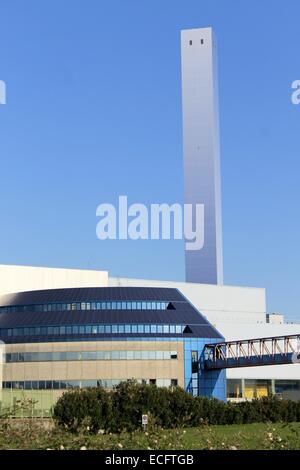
{"x": 93, "y": 329}
{"x": 93, "y": 305}
{"x": 256, "y": 388}
{"x": 90, "y": 356}
{"x": 282, "y": 386}
{"x": 67, "y": 384}
{"x": 234, "y": 388}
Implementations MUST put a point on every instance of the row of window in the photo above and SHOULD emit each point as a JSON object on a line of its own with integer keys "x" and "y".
{"x": 116, "y": 305}
{"x": 89, "y": 356}
{"x": 94, "y": 329}
{"x": 255, "y": 388}
{"x": 65, "y": 384}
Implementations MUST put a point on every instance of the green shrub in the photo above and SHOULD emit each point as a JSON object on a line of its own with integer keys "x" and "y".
{"x": 85, "y": 407}
{"x": 122, "y": 409}
{"x": 129, "y": 401}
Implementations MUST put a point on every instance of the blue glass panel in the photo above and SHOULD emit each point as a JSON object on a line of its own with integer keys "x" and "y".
{"x": 27, "y": 385}
{"x": 56, "y": 385}
{"x": 89, "y": 383}
{"x": 123, "y": 355}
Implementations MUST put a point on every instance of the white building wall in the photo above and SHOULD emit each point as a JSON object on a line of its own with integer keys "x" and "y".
{"x": 237, "y": 312}
{"x": 201, "y": 150}
{"x": 218, "y": 303}
{"x": 26, "y": 278}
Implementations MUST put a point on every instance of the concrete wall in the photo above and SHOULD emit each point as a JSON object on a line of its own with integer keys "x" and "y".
{"x": 26, "y": 278}
{"x": 201, "y": 150}
{"x": 218, "y": 303}
{"x": 96, "y": 370}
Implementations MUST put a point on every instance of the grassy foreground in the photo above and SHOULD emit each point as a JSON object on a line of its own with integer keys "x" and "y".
{"x": 30, "y": 435}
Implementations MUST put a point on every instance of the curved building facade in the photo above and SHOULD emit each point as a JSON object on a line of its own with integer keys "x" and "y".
{"x": 84, "y": 337}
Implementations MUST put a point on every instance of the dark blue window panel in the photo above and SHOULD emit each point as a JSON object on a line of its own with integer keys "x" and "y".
{"x": 62, "y": 312}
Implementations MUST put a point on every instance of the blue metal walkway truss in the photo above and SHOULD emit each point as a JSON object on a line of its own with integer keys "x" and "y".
{"x": 274, "y": 350}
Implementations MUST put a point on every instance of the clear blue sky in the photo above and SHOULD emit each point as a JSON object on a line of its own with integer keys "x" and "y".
{"x": 94, "y": 110}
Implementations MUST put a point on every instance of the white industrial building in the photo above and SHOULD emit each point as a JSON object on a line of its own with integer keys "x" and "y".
{"x": 237, "y": 312}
